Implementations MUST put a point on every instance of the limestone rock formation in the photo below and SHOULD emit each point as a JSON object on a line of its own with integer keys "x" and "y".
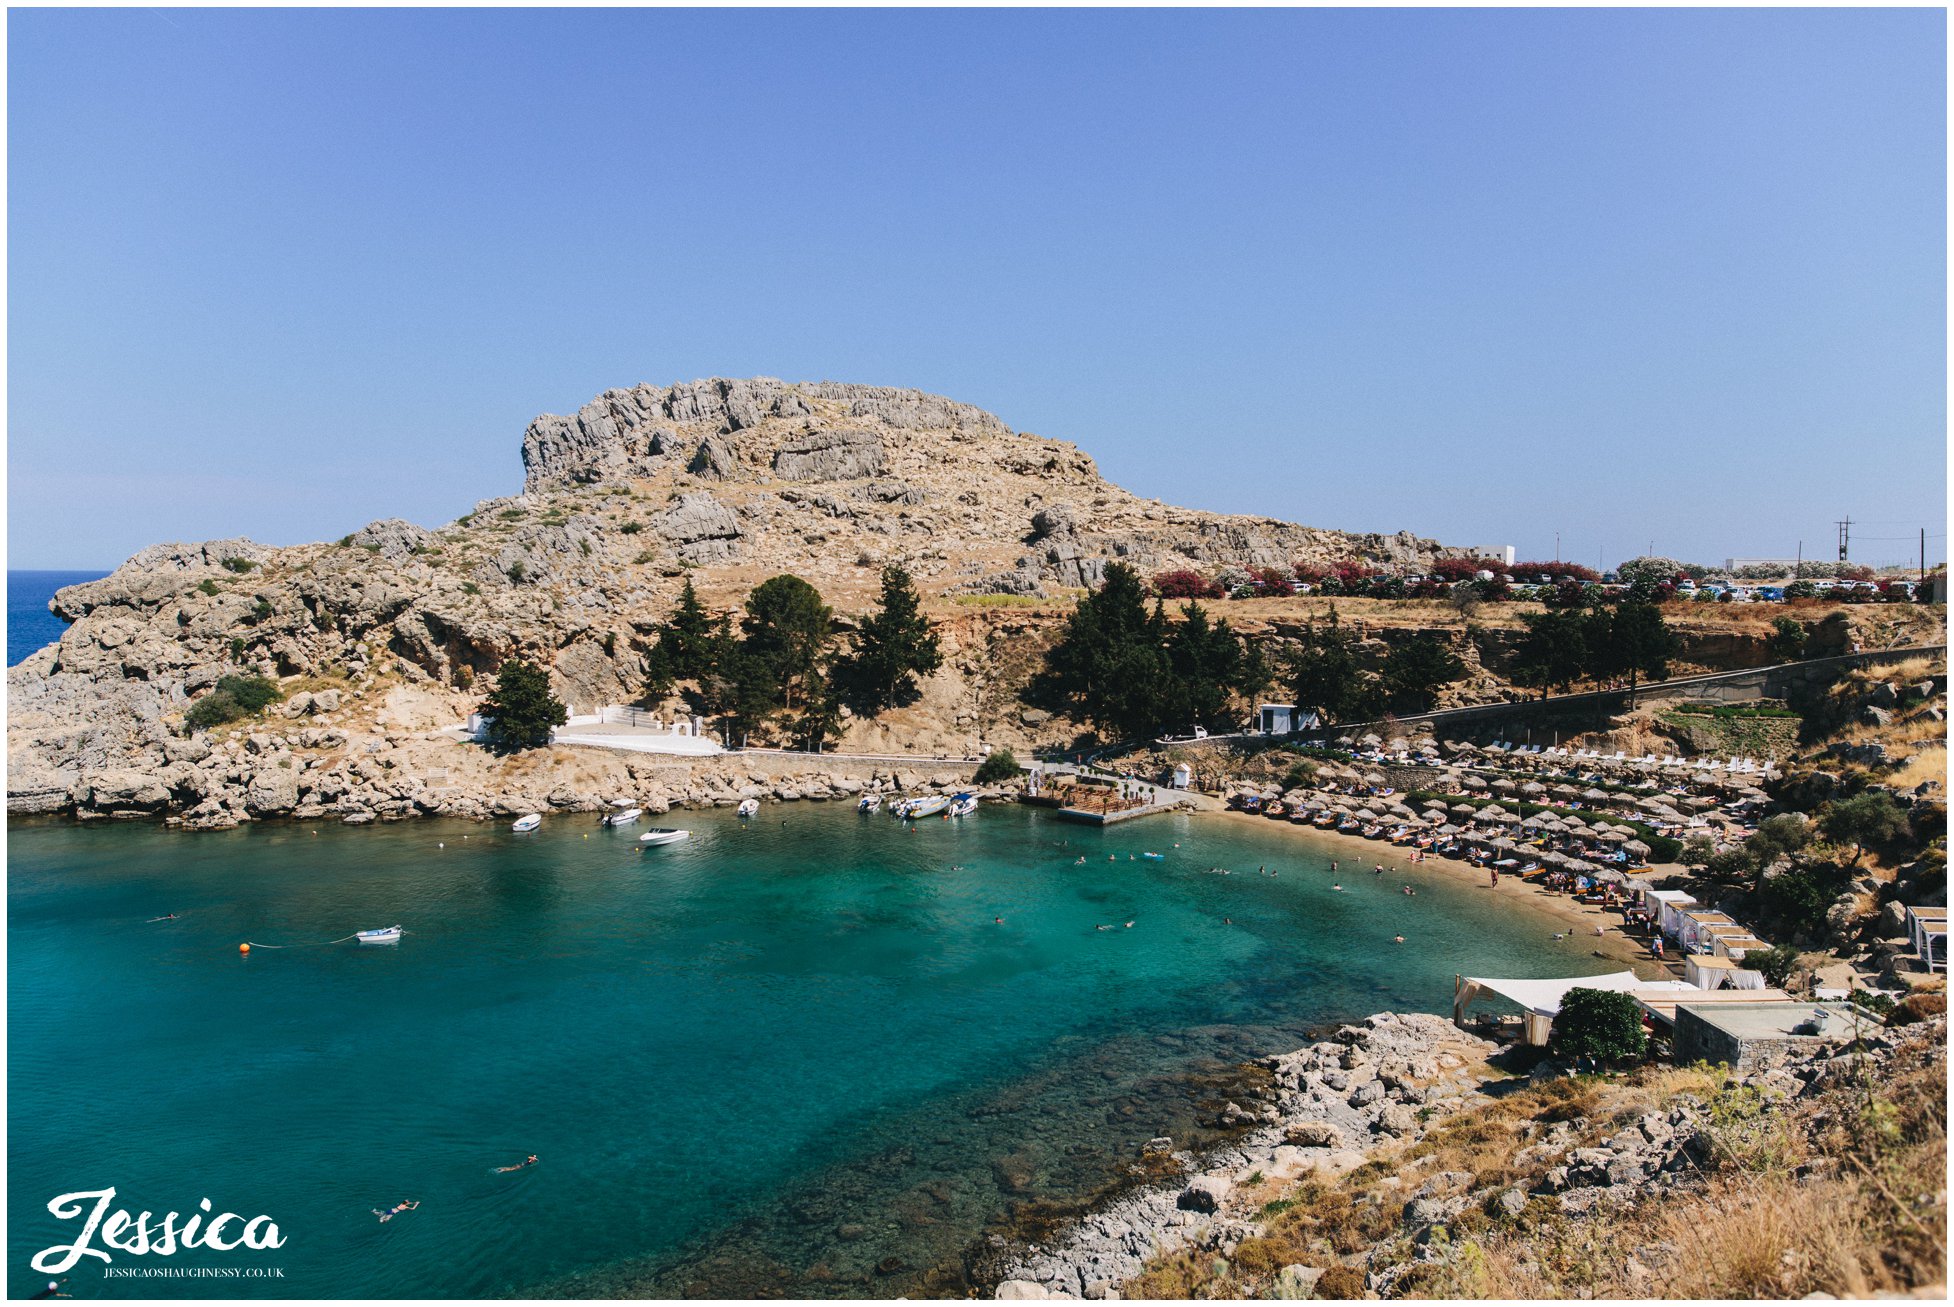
{"x": 724, "y": 481}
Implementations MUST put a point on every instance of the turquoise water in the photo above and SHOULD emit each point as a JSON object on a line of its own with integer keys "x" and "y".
{"x": 30, "y": 626}
{"x": 769, "y": 1060}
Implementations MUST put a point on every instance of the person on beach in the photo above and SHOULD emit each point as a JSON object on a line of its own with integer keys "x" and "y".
{"x": 1655, "y": 947}
{"x": 527, "y": 1161}
{"x": 402, "y": 1206}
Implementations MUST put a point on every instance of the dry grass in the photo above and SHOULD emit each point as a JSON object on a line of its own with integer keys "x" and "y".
{"x": 1868, "y": 1216}
{"x": 1928, "y": 765}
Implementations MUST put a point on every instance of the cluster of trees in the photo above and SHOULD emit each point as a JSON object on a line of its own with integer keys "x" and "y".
{"x": 1565, "y": 645}
{"x": 1797, "y": 891}
{"x": 1131, "y": 673}
{"x": 1327, "y": 674}
{"x": 785, "y": 664}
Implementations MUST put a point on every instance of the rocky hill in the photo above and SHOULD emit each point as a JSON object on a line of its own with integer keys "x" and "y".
{"x": 725, "y": 481}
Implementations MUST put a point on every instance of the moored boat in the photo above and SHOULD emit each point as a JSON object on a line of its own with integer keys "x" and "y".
{"x": 661, "y": 835}
{"x": 963, "y": 805}
{"x": 624, "y": 817}
{"x": 528, "y": 823}
{"x": 384, "y": 935}
{"x": 748, "y": 807}
{"x": 869, "y": 803}
{"x": 927, "y": 806}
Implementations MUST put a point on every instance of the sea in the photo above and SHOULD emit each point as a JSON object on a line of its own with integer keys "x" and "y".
{"x": 30, "y": 626}
{"x": 814, "y": 1053}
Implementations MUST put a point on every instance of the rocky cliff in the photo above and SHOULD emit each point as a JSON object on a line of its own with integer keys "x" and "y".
{"x": 727, "y": 481}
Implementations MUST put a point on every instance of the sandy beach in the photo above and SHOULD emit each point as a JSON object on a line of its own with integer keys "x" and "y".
{"x": 1559, "y": 909}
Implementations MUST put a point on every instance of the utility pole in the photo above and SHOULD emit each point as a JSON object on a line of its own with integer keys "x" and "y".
{"x": 1845, "y": 539}
{"x": 1923, "y": 556}
{"x": 1799, "y": 571}
{"x": 1557, "y": 544}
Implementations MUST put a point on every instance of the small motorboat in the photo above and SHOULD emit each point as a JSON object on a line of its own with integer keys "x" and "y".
{"x": 869, "y": 803}
{"x": 963, "y": 805}
{"x": 624, "y": 817}
{"x": 748, "y": 807}
{"x": 659, "y": 835}
{"x": 384, "y": 935}
{"x": 529, "y": 823}
{"x": 928, "y": 806}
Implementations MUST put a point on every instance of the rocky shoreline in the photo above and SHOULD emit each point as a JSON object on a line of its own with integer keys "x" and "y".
{"x": 1384, "y": 1081}
{"x": 1366, "y": 1100}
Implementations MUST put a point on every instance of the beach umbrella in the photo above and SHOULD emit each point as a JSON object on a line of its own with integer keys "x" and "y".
{"x": 1636, "y": 849}
{"x": 1365, "y": 814}
{"x": 1508, "y": 819}
{"x": 1465, "y": 810}
{"x": 1372, "y": 739}
{"x": 1434, "y": 803}
{"x": 1374, "y": 778}
{"x": 1567, "y": 792}
{"x": 1435, "y": 818}
{"x": 1533, "y": 787}
{"x": 1473, "y": 783}
{"x": 1448, "y": 829}
{"x": 1613, "y": 836}
{"x": 1505, "y": 785}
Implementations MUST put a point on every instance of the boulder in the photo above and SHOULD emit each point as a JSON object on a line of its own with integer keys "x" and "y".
{"x": 1205, "y": 1193}
{"x": 830, "y": 455}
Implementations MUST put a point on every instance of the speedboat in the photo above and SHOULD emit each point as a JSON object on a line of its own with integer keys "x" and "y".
{"x": 660, "y": 835}
{"x": 963, "y": 805}
{"x": 748, "y": 807}
{"x": 624, "y": 818}
{"x": 869, "y": 803}
{"x": 529, "y": 823}
{"x": 927, "y": 806}
{"x": 384, "y": 935}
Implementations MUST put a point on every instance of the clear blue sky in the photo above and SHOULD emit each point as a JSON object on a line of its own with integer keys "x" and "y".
{"x": 1669, "y": 276}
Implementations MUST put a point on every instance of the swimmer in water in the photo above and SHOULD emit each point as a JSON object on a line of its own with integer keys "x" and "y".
{"x": 168, "y": 916}
{"x": 1129, "y": 925}
{"x": 1397, "y": 939}
{"x": 1102, "y": 927}
{"x": 1408, "y": 890}
{"x": 1333, "y": 864}
{"x": 395, "y": 1210}
{"x": 1336, "y": 887}
{"x": 1227, "y": 921}
{"x": 527, "y": 1161}
{"x": 1378, "y": 870}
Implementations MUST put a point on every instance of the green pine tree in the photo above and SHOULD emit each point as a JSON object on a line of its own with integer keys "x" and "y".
{"x": 521, "y": 710}
{"x": 893, "y": 648}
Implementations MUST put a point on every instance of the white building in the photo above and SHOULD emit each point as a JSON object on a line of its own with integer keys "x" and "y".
{"x": 1284, "y": 719}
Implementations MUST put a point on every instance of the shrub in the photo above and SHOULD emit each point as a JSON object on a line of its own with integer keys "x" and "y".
{"x": 1878, "y": 1004}
{"x": 1775, "y": 962}
{"x": 512, "y": 514}
{"x": 516, "y": 572}
{"x": 1185, "y": 584}
{"x": 207, "y": 586}
{"x": 233, "y": 698}
{"x": 470, "y": 588}
{"x": 632, "y": 528}
{"x": 1598, "y": 1024}
{"x": 998, "y": 766}
{"x": 238, "y": 565}
{"x": 261, "y": 611}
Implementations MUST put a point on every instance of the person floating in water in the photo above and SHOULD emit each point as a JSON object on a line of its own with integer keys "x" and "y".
{"x": 1336, "y": 887}
{"x": 527, "y": 1161}
{"x": 168, "y": 916}
{"x": 1129, "y": 925}
{"x": 1109, "y": 928}
{"x": 1408, "y": 890}
{"x": 1000, "y": 921}
{"x": 1397, "y": 939}
{"x": 1333, "y": 864}
{"x": 402, "y": 1206}
{"x": 1378, "y": 870}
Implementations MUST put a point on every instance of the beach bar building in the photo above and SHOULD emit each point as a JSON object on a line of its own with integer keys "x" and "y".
{"x": 1539, "y": 1000}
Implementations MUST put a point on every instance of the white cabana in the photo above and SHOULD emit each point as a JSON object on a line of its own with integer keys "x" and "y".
{"x": 1667, "y": 906}
{"x": 1706, "y": 971}
{"x": 1927, "y": 928}
{"x": 1539, "y": 999}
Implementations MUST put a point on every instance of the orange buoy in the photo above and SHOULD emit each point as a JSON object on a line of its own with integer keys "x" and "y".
{"x": 244, "y": 948}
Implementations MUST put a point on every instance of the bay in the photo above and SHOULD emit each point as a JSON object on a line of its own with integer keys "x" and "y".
{"x": 798, "y": 1054}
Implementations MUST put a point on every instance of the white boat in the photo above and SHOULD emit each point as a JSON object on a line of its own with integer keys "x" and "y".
{"x": 531, "y": 822}
{"x": 869, "y": 803}
{"x": 662, "y": 836}
{"x": 963, "y": 805}
{"x": 385, "y": 935}
{"x": 748, "y": 807}
{"x": 624, "y": 818}
{"x": 928, "y": 806}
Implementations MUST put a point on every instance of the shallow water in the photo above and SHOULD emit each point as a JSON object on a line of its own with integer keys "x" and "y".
{"x": 793, "y": 1055}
